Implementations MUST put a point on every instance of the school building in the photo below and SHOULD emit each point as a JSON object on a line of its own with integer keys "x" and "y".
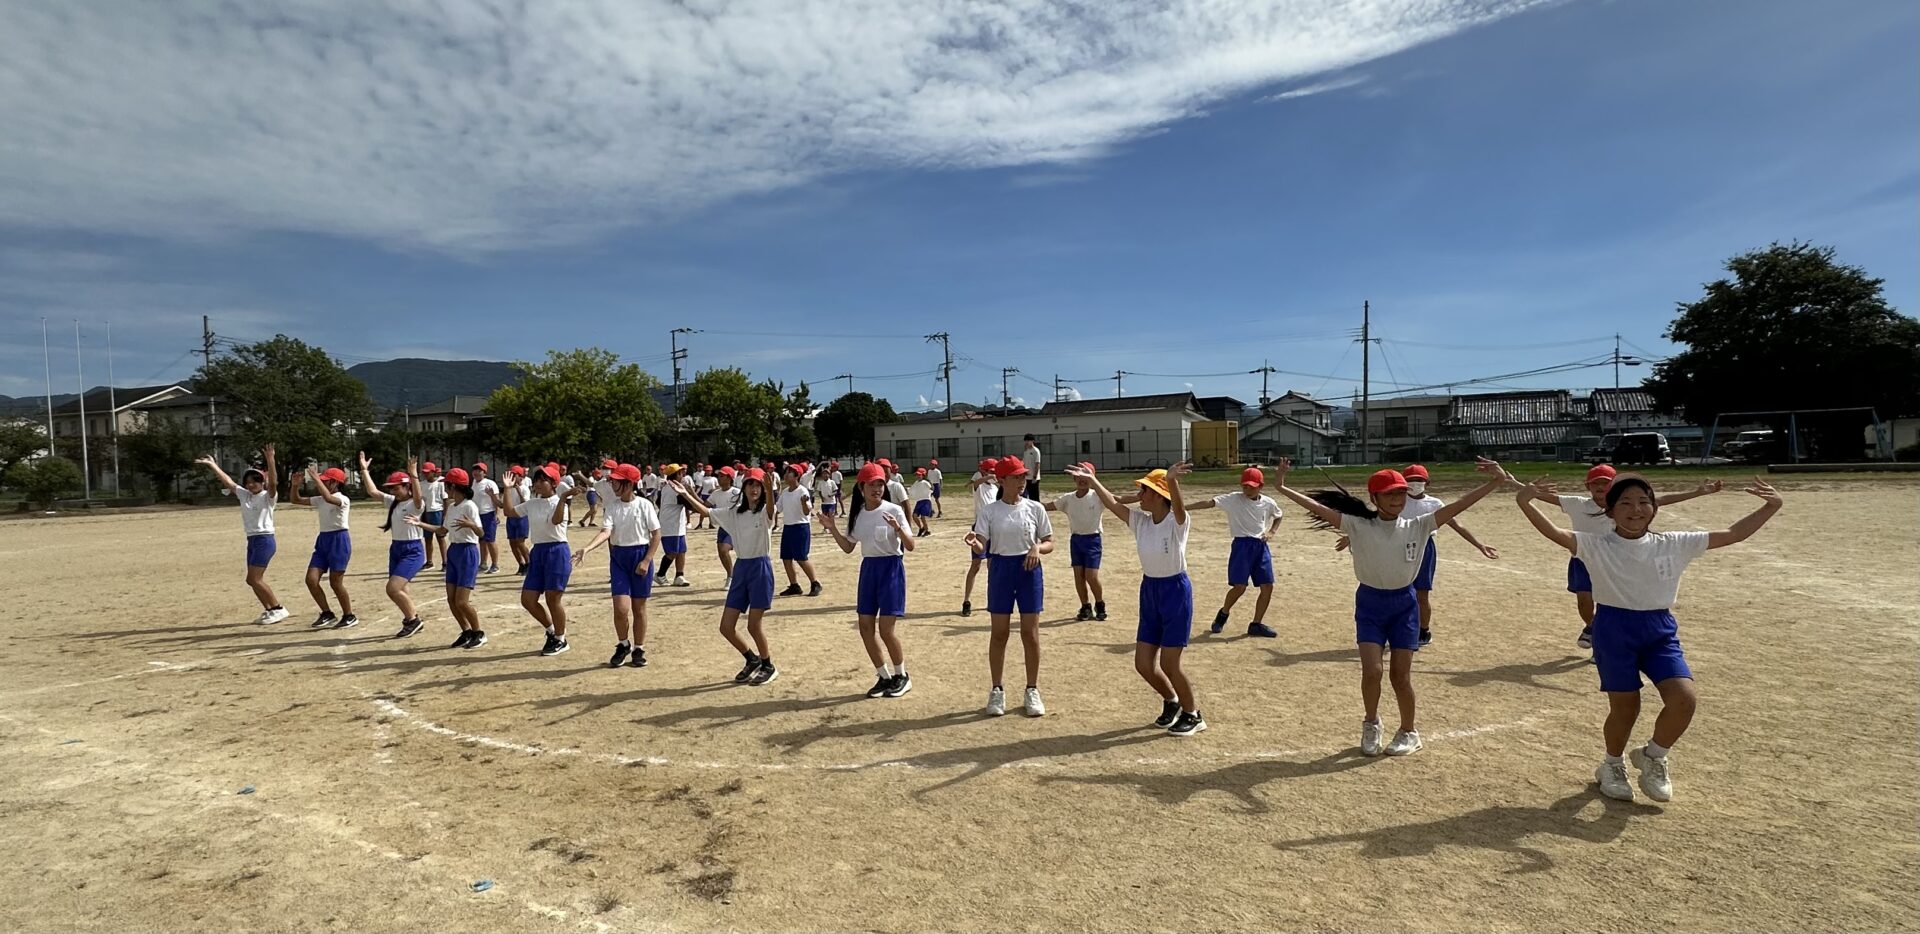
{"x": 1125, "y": 433}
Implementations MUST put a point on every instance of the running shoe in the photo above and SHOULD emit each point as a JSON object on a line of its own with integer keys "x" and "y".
{"x": 793, "y": 590}
{"x": 1405, "y": 743}
{"x": 1035, "y": 706}
{"x": 1219, "y": 621}
{"x": 460, "y": 641}
{"x": 746, "y": 671}
{"x": 901, "y": 685}
{"x": 1656, "y": 779}
{"x": 1086, "y": 613}
{"x": 478, "y": 639}
{"x": 814, "y": 590}
{"x": 347, "y": 622}
{"x": 1612, "y": 777}
{"x": 1100, "y": 611}
{"x": 881, "y": 685}
{"x": 638, "y": 659}
{"x": 966, "y": 608}
{"x": 1188, "y": 724}
{"x": 764, "y": 674}
{"x": 409, "y": 627}
{"x": 1426, "y": 637}
{"x": 278, "y": 614}
{"x": 1169, "y": 712}
{"x": 997, "y": 702}
{"x": 1586, "y": 637}
{"x": 681, "y": 582}
{"x": 558, "y": 645}
{"x": 325, "y": 619}
{"x": 620, "y": 652}
{"x": 1370, "y": 738}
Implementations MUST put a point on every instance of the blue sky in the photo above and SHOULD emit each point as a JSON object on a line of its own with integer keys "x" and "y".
{"x": 1168, "y": 192}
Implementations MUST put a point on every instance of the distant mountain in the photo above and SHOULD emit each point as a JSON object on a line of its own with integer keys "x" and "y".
{"x": 27, "y": 406}
{"x": 415, "y": 382}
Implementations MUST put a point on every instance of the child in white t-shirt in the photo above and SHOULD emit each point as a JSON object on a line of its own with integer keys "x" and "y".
{"x": 986, "y": 489}
{"x": 1252, "y": 517}
{"x": 257, "y": 495}
{"x": 1083, "y": 510}
{"x": 921, "y": 494}
{"x": 1635, "y": 575}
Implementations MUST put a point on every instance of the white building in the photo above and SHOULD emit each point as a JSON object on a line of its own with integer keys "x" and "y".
{"x": 1135, "y": 432}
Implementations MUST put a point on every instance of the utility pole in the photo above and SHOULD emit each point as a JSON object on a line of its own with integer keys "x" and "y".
{"x": 946, "y": 366}
{"x": 206, "y": 357}
{"x": 1266, "y": 369}
{"x": 1118, "y": 391}
{"x": 86, "y": 473}
{"x": 673, "y": 338}
{"x": 1059, "y": 393}
{"x": 849, "y": 378}
{"x": 46, "y": 356}
{"x": 1367, "y": 340}
{"x": 114, "y": 408}
{"x": 1006, "y": 398}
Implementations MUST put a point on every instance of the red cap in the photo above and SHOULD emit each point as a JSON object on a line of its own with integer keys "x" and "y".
{"x": 396, "y": 478}
{"x": 1386, "y": 481}
{"x": 1252, "y": 477}
{"x": 935, "y": 462}
{"x": 755, "y": 473}
{"x": 609, "y": 463}
{"x": 885, "y": 463}
{"x": 429, "y": 468}
{"x": 1416, "y": 472}
{"x": 1087, "y": 466}
{"x": 1601, "y": 472}
{"x": 596, "y": 472}
{"x": 334, "y": 474}
{"x": 870, "y": 473}
{"x": 794, "y": 469}
{"x": 480, "y": 468}
{"x": 550, "y": 470}
{"x": 919, "y": 471}
{"x": 516, "y": 471}
{"x": 458, "y": 477}
{"x": 626, "y": 472}
{"x": 726, "y": 471}
{"x": 1009, "y": 467}
{"x": 986, "y": 464}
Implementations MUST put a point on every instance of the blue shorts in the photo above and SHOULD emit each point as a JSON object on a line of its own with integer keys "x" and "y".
{"x": 260, "y": 549}
{"x": 593, "y": 499}
{"x": 463, "y": 565}
{"x": 549, "y": 566}
{"x": 1424, "y": 580}
{"x": 796, "y": 542}
{"x": 625, "y": 573}
{"x": 923, "y": 508}
{"x": 1577, "y": 579}
{"x": 721, "y": 536}
{"x": 436, "y": 517}
{"x": 936, "y": 491}
{"x": 518, "y": 528}
{"x": 1389, "y": 618}
{"x": 673, "y": 544}
{"x": 1084, "y": 551}
{"x": 405, "y": 559}
{"x": 489, "y": 525}
{"x": 332, "y": 551}
{"x": 1629, "y": 642}
{"x": 831, "y": 509}
{"x": 883, "y": 587}
{"x": 1166, "y": 611}
{"x": 752, "y": 587}
{"x": 1011, "y": 585}
{"x": 1251, "y": 560}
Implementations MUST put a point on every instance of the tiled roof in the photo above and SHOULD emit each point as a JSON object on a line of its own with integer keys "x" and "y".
{"x": 125, "y": 396}
{"x": 1510, "y": 408}
{"x": 1526, "y": 435}
{"x": 1621, "y": 401}
{"x": 1172, "y": 400}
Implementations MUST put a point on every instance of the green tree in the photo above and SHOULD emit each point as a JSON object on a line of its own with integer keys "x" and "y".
{"x": 390, "y": 446}
{"x": 574, "y": 406}
{"x": 162, "y": 451}
{"x": 43, "y": 480}
{"x": 742, "y": 414}
{"x": 20, "y": 439}
{"x": 290, "y": 393}
{"x": 795, "y": 408}
{"x": 845, "y": 426}
{"x": 1792, "y": 329}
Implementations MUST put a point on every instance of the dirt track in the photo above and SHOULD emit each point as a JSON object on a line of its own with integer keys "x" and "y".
{"x": 389, "y": 776}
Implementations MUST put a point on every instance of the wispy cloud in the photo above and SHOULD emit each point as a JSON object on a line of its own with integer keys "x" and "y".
{"x": 1322, "y": 87}
{"x": 482, "y": 126}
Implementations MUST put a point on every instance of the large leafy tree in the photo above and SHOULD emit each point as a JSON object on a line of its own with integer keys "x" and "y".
{"x": 845, "y": 426}
{"x": 574, "y": 406}
{"x": 795, "y": 408}
{"x": 19, "y": 439}
{"x": 290, "y": 393}
{"x": 1792, "y": 328}
{"x": 45, "y": 479}
{"x": 743, "y": 415}
{"x": 162, "y": 450}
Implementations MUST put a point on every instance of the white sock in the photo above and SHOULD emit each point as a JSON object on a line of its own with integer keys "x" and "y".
{"x": 1610, "y": 759}
{"x": 900, "y": 669}
{"x": 1655, "y": 750}
{"x": 549, "y": 630}
{"x": 882, "y": 671}
{"x": 624, "y": 643}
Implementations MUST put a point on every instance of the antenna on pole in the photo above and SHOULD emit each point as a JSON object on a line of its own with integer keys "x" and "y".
{"x": 1006, "y": 398}
{"x": 1117, "y": 390}
{"x": 206, "y": 358}
{"x": 86, "y": 472}
{"x": 1059, "y": 392}
{"x": 1265, "y": 370}
{"x": 946, "y": 366}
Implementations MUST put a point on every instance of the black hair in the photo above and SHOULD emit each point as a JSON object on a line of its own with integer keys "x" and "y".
{"x": 741, "y": 506}
{"x": 1028, "y": 438}
{"x": 388, "y": 526}
{"x": 859, "y": 502}
{"x": 1620, "y": 485}
{"x": 1342, "y": 502}
{"x": 464, "y": 489}
{"x": 251, "y": 473}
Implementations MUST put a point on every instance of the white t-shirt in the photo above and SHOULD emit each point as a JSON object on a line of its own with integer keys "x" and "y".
{"x": 839, "y": 478}
{"x": 650, "y": 482}
{"x": 708, "y": 484}
{"x": 1427, "y": 505}
{"x": 752, "y": 532}
{"x": 725, "y": 499}
{"x": 541, "y": 529}
{"x": 485, "y": 491}
{"x": 631, "y": 523}
{"x": 401, "y": 531}
{"x": 1248, "y": 518}
{"x": 1387, "y": 552}
{"x": 1162, "y": 545}
{"x": 826, "y": 491}
{"x": 1586, "y": 515}
{"x": 1013, "y": 528}
{"x": 878, "y": 539}
{"x": 522, "y": 490}
{"x": 1084, "y": 513}
{"x": 793, "y": 506}
{"x": 895, "y": 492}
{"x": 435, "y": 495}
{"x": 922, "y": 491}
{"x": 1031, "y": 456}
{"x": 1637, "y": 573}
{"x": 332, "y": 514}
{"x": 673, "y": 512}
{"x": 806, "y": 477}
{"x": 983, "y": 494}
{"x": 456, "y": 534}
{"x": 256, "y": 511}
{"x": 934, "y": 475}
{"x": 604, "y": 488}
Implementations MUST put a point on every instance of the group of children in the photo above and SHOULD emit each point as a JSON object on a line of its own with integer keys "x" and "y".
{"x": 1624, "y": 575}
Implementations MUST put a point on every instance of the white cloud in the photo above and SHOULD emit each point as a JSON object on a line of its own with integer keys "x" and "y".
{"x": 1070, "y": 394}
{"x": 478, "y": 126}
{"x": 1322, "y": 87}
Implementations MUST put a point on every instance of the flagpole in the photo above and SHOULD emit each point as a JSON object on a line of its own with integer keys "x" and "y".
{"x": 46, "y": 356}
{"x": 86, "y": 476}
{"x": 113, "y": 411}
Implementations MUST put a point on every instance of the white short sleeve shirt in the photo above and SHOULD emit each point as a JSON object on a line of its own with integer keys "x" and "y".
{"x": 1013, "y": 528}
{"x": 793, "y": 506}
{"x": 541, "y": 529}
{"x": 256, "y": 511}
{"x": 332, "y": 514}
{"x": 1084, "y": 513}
{"x": 752, "y": 531}
{"x": 1248, "y": 518}
{"x": 401, "y": 531}
{"x": 878, "y": 539}
{"x": 1387, "y": 552}
{"x": 1637, "y": 573}
{"x": 1586, "y": 515}
{"x": 456, "y": 534}
{"x": 1162, "y": 545}
{"x": 631, "y": 523}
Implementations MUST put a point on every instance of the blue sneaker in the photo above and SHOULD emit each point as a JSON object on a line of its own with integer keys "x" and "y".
{"x": 1262, "y": 630}
{"x": 1219, "y": 621}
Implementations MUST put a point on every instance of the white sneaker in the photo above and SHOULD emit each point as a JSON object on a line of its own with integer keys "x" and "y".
{"x": 997, "y": 702}
{"x": 1612, "y": 777}
{"x": 1369, "y": 737}
{"x": 681, "y": 582}
{"x": 1405, "y": 743}
{"x": 278, "y": 616}
{"x": 1035, "y": 706}
{"x": 261, "y": 620}
{"x": 1655, "y": 779}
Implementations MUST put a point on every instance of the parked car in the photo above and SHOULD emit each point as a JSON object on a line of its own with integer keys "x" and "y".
{"x": 1602, "y": 452}
{"x": 1755, "y": 446}
{"x": 1642, "y": 447}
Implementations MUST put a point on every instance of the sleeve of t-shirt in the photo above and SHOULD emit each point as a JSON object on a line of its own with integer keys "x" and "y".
{"x": 1691, "y": 545}
{"x": 1220, "y": 502}
{"x": 1273, "y": 511}
{"x": 1580, "y": 542}
{"x": 1569, "y": 503}
{"x": 649, "y": 522}
{"x": 1134, "y": 517}
{"x": 606, "y": 519}
{"x": 1427, "y": 524}
{"x": 386, "y": 499}
{"x": 1042, "y": 524}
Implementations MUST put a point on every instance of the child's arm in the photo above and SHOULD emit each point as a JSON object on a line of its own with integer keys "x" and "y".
{"x": 366, "y": 477}
{"x": 1709, "y": 487}
{"x": 1272, "y": 529}
{"x": 1324, "y": 513}
{"x": 1174, "y": 474}
{"x": 606, "y": 532}
{"x": 273, "y": 484}
{"x": 560, "y": 506}
{"x": 294, "y": 486}
{"x": 1489, "y": 551}
{"x": 1498, "y": 479}
{"x": 225, "y": 480}
{"x": 653, "y": 549}
{"x": 689, "y": 500}
{"x": 1206, "y": 503}
{"x": 1542, "y": 490}
{"x": 1744, "y": 529}
{"x": 906, "y": 541}
{"x": 504, "y": 502}
{"x": 839, "y": 538}
{"x": 1100, "y": 489}
{"x": 413, "y": 474}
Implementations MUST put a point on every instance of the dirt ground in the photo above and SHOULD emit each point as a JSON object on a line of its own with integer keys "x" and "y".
{"x": 169, "y": 765}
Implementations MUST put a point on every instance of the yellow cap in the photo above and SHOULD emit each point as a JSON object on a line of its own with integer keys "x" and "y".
{"x": 1156, "y": 480}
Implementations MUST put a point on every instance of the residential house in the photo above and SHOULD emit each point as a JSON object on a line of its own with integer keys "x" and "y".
{"x": 442, "y": 417}
{"x": 1398, "y": 426}
{"x": 1617, "y": 411}
{"x": 1129, "y": 432}
{"x": 1541, "y": 424}
{"x": 1224, "y": 408}
{"x": 108, "y": 410}
{"x": 1294, "y": 425}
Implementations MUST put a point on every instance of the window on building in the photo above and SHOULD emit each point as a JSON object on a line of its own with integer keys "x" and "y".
{"x": 1086, "y": 445}
{"x": 903, "y": 451}
{"x": 947, "y": 449}
{"x": 1119, "y": 445}
{"x": 1397, "y": 426}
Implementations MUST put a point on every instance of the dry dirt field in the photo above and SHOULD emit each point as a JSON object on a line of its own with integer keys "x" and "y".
{"x": 169, "y": 766}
